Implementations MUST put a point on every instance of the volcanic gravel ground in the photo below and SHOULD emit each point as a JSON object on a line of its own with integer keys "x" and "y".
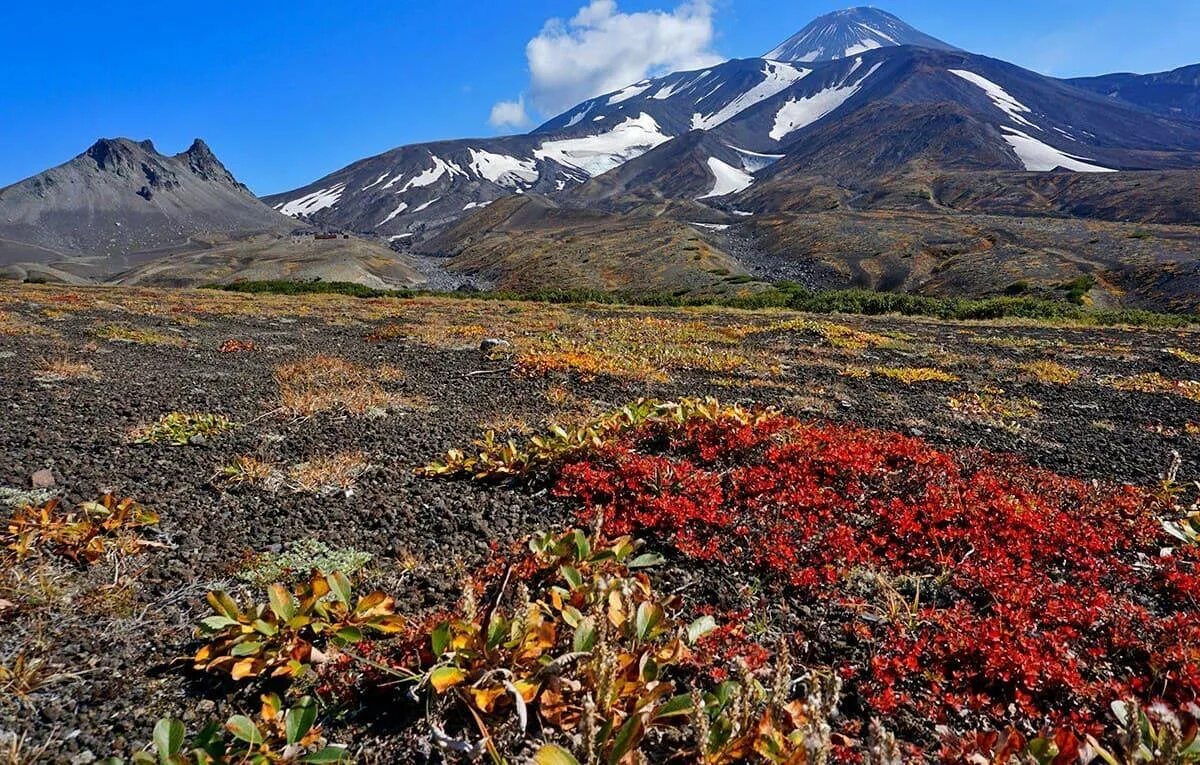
{"x": 118, "y": 656}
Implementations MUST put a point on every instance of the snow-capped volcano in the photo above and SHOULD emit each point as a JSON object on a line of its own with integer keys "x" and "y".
{"x": 855, "y": 93}
{"x": 848, "y": 33}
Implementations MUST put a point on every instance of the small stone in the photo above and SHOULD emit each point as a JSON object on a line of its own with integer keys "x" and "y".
{"x": 198, "y": 440}
{"x": 205, "y": 706}
{"x": 492, "y": 343}
{"x": 83, "y": 758}
{"x": 43, "y": 479}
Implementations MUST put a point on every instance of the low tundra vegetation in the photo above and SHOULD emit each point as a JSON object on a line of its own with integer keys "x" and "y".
{"x": 1155, "y": 382}
{"x": 330, "y": 384}
{"x": 278, "y": 735}
{"x": 1008, "y": 599}
{"x": 182, "y": 428}
{"x": 123, "y": 333}
{"x": 322, "y": 475}
{"x": 570, "y": 653}
{"x": 82, "y": 534}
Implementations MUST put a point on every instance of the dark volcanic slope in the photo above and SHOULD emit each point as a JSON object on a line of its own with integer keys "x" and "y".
{"x": 121, "y": 197}
{"x": 1173, "y": 94}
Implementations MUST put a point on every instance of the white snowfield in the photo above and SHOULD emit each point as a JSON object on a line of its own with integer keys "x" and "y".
{"x": 1041, "y": 157}
{"x": 753, "y": 161}
{"x": 426, "y": 206}
{"x": 429, "y": 177}
{"x": 630, "y": 92}
{"x": 777, "y": 77}
{"x": 579, "y": 115}
{"x": 797, "y": 114}
{"x": 597, "y": 154}
{"x": 378, "y": 181}
{"x": 862, "y": 47}
{"x": 729, "y": 179}
{"x": 503, "y": 169}
{"x": 1000, "y": 97}
{"x": 314, "y": 202}
{"x": 392, "y": 215}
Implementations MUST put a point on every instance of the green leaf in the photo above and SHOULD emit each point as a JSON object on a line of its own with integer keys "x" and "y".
{"x": 349, "y": 635}
{"x": 218, "y": 623}
{"x": 647, "y": 560}
{"x": 497, "y": 630}
{"x": 700, "y": 628}
{"x": 249, "y": 648}
{"x": 281, "y": 602}
{"x": 223, "y": 604}
{"x": 573, "y": 577}
{"x": 649, "y": 615}
{"x": 572, "y": 616}
{"x": 328, "y": 754}
{"x": 583, "y": 548}
{"x": 339, "y": 585}
{"x": 168, "y": 737}
{"x": 585, "y": 635}
{"x": 244, "y": 729}
{"x": 676, "y": 707}
{"x": 552, "y": 754}
{"x": 628, "y": 738}
{"x": 299, "y": 720}
{"x": 439, "y": 639}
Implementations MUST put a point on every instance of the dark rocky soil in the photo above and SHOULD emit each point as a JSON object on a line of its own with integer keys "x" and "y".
{"x": 112, "y": 634}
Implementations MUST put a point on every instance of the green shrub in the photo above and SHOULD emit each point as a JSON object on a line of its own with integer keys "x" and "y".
{"x": 790, "y": 295}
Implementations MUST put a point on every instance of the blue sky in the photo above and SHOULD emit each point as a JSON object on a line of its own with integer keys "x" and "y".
{"x": 287, "y": 92}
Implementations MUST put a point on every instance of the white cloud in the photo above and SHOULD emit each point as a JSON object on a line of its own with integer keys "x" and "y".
{"x": 601, "y": 49}
{"x": 509, "y": 114}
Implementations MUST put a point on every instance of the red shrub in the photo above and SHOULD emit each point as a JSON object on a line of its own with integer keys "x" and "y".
{"x": 1034, "y": 599}
{"x": 237, "y": 346}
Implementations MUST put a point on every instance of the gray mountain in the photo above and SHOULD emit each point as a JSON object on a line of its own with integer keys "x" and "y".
{"x": 848, "y": 33}
{"x": 1172, "y": 94}
{"x": 121, "y": 211}
{"x": 121, "y": 197}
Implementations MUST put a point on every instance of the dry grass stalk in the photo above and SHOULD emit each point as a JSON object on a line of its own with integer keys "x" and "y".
{"x": 330, "y": 384}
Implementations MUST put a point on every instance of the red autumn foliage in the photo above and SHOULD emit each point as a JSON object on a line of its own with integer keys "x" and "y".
{"x": 1028, "y": 598}
{"x": 237, "y": 346}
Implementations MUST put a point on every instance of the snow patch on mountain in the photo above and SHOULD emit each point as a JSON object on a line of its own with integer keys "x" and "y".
{"x": 800, "y": 113}
{"x": 777, "y": 77}
{"x": 426, "y": 206}
{"x": 729, "y": 179}
{"x": 579, "y": 115}
{"x": 861, "y": 47}
{"x": 503, "y": 169}
{"x": 630, "y": 92}
{"x": 1000, "y": 97}
{"x": 753, "y": 161}
{"x": 597, "y": 154}
{"x": 431, "y": 176}
{"x": 314, "y": 202}
{"x": 1041, "y": 157}
{"x": 378, "y": 181}
{"x": 392, "y": 215}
